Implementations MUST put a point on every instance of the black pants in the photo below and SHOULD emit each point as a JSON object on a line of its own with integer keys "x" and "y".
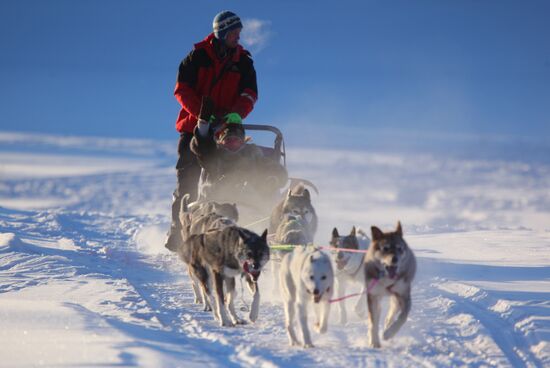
{"x": 188, "y": 172}
{"x": 188, "y": 168}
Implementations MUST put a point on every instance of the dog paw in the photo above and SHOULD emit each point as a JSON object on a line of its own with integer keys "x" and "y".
{"x": 227, "y": 324}
{"x": 389, "y": 333}
{"x": 361, "y": 313}
{"x": 241, "y": 322}
{"x": 317, "y": 327}
{"x": 253, "y": 316}
{"x": 308, "y": 345}
{"x": 375, "y": 344}
{"x": 320, "y": 328}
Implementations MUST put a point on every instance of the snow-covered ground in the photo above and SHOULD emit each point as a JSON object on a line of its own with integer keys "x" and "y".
{"x": 85, "y": 279}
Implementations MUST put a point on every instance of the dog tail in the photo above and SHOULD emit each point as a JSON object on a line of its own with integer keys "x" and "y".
{"x": 185, "y": 203}
{"x": 298, "y": 185}
{"x": 363, "y": 238}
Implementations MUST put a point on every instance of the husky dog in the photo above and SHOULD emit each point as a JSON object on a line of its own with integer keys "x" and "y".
{"x": 306, "y": 276}
{"x": 297, "y": 203}
{"x": 199, "y": 218}
{"x": 223, "y": 254}
{"x": 350, "y": 267}
{"x": 291, "y": 231}
{"x": 390, "y": 266}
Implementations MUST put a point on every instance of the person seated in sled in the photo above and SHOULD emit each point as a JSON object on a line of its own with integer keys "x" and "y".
{"x": 233, "y": 166}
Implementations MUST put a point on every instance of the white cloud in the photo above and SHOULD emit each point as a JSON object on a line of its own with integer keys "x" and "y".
{"x": 256, "y": 34}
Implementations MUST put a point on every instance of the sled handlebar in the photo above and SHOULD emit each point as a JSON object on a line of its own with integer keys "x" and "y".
{"x": 279, "y": 144}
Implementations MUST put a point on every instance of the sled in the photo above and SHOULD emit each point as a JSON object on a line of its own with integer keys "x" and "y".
{"x": 253, "y": 209}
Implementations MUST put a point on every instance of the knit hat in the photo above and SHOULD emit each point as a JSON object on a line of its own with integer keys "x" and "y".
{"x": 224, "y": 22}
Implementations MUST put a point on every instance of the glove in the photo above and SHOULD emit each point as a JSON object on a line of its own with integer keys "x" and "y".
{"x": 233, "y": 118}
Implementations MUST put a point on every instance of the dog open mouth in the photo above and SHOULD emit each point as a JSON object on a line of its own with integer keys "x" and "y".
{"x": 392, "y": 271}
{"x": 317, "y": 298}
{"x": 251, "y": 270}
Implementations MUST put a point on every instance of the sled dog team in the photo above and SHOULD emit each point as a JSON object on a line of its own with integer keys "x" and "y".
{"x": 216, "y": 250}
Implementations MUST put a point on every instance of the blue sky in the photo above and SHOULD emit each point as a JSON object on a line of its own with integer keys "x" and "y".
{"x": 108, "y": 68}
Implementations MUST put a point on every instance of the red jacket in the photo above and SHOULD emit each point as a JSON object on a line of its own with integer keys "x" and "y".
{"x": 235, "y": 91}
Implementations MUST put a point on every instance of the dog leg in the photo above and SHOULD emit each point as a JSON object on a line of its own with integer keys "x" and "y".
{"x": 255, "y": 307}
{"x": 342, "y": 304}
{"x": 405, "y": 306}
{"x": 392, "y": 312}
{"x": 302, "y": 318}
{"x": 275, "y": 268}
{"x": 201, "y": 274}
{"x": 220, "y": 307}
{"x": 324, "y": 311}
{"x": 289, "y": 321}
{"x": 288, "y": 294}
{"x": 361, "y": 306}
{"x": 195, "y": 286}
{"x": 231, "y": 293}
{"x": 373, "y": 303}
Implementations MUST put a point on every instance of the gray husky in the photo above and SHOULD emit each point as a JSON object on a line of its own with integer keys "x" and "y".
{"x": 390, "y": 267}
{"x": 223, "y": 254}
{"x": 350, "y": 267}
{"x": 293, "y": 221}
{"x": 297, "y": 203}
{"x": 198, "y": 218}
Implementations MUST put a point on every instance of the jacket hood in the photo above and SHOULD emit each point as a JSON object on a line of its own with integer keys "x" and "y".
{"x": 208, "y": 45}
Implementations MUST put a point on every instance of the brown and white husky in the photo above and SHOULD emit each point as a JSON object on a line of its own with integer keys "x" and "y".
{"x": 390, "y": 267}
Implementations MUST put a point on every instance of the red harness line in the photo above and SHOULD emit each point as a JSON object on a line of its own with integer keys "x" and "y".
{"x": 369, "y": 288}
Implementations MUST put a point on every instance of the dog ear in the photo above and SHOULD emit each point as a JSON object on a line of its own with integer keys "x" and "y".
{"x": 243, "y": 234}
{"x": 377, "y": 234}
{"x": 335, "y": 233}
{"x": 399, "y": 231}
{"x": 264, "y": 235}
{"x": 352, "y": 231}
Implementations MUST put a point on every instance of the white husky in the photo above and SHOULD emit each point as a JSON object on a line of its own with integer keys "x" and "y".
{"x": 306, "y": 276}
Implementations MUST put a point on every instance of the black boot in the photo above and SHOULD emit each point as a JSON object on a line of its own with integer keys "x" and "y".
{"x": 174, "y": 238}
